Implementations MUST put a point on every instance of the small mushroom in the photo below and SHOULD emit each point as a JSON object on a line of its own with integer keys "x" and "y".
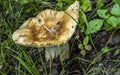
{"x": 50, "y": 29}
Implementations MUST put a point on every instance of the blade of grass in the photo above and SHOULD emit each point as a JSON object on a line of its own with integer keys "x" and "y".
{"x": 23, "y": 63}
{"x": 43, "y": 64}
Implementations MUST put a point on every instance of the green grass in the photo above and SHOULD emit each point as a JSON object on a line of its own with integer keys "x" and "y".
{"x": 20, "y": 60}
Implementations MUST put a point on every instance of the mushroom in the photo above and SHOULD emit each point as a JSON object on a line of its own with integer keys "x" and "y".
{"x": 50, "y": 29}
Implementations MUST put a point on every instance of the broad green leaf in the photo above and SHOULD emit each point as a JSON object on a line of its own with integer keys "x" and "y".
{"x": 88, "y": 47}
{"x": 99, "y": 3}
{"x": 105, "y": 49}
{"x": 117, "y": 51}
{"x": 83, "y": 52}
{"x": 80, "y": 46}
{"x": 85, "y": 5}
{"x": 86, "y": 40}
{"x": 118, "y": 18}
{"x": 94, "y": 26}
{"x": 116, "y": 10}
{"x": 113, "y": 21}
{"x": 117, "y": 1}
{"x": 102, "y": 13}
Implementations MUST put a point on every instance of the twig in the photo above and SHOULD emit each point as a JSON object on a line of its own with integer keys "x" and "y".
{"x": 110, "y": 37}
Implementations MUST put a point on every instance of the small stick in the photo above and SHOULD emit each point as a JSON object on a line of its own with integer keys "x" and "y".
{"x": 110, "y": 37}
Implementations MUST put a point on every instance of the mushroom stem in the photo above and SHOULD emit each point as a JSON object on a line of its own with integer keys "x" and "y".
{"x": 54, "y": 51}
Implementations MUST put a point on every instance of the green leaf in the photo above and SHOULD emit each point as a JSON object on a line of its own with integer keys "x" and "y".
{"x": 80, "y": 46}
{"x": 86, "y": 40}
{"x": 85, "y": 5}
{"x": 102, "y": 13}
{"x": 99, "y": 3}
{"x": 116, "y": 10}
{"x": 88, "y": 47}
{"x": 117, "y": 1}
{"x": 118, "y": 18}
{"x": 105, "y": 49}
{"x": 94, "y": 26}
{"x": 117, "y": 51}
{"x": 60, "y": 3}
{"x": 82, "y": 20}
{"x": 118, "y": 26}
{"x": 112, "y": 23}
{"x": 83, "y": 52}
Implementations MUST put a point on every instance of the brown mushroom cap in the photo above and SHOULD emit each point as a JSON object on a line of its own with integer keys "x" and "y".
{"x": 48, "y": 28}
